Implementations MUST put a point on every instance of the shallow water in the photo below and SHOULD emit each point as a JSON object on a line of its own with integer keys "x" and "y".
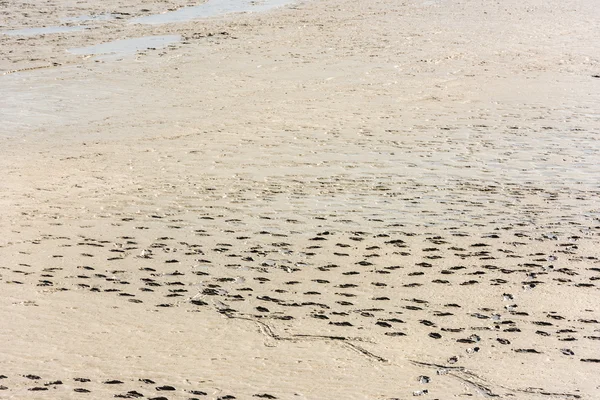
{"x": 211, "y": 8}
{"x": 43, "y": 31}
{"x": 127, "y": 46}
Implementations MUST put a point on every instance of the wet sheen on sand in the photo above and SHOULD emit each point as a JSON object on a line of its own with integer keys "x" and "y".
{"x": 211, "y": 8}
{"x": 128, "y": 46}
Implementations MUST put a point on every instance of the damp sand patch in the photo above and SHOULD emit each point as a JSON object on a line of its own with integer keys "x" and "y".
{"x": 43, "y": 31}
{"x": 90, "y": 18}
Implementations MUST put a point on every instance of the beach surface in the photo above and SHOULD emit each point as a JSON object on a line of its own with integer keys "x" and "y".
{"x": 316, "y": 200}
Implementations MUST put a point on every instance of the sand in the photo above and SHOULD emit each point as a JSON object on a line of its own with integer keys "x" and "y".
{"x": 328, "y": 200}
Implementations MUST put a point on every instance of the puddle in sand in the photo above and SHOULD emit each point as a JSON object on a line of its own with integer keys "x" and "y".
{"x": 210, "y": 9}
{"x": 127, "y": 46}
{"x": 86, "y": 18}
{"x": 43, "y": 31}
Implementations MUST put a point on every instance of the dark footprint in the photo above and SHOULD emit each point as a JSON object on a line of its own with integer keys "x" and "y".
{"x": 132, "y": 394}
{"x": 341, "y": 323}
{"x": 534, "y": 351}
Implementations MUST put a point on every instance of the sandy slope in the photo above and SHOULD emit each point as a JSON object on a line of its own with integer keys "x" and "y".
{"x": 341, "y": 199}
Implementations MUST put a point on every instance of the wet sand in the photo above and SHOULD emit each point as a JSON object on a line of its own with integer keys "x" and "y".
{"x": 327, "y": 200}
